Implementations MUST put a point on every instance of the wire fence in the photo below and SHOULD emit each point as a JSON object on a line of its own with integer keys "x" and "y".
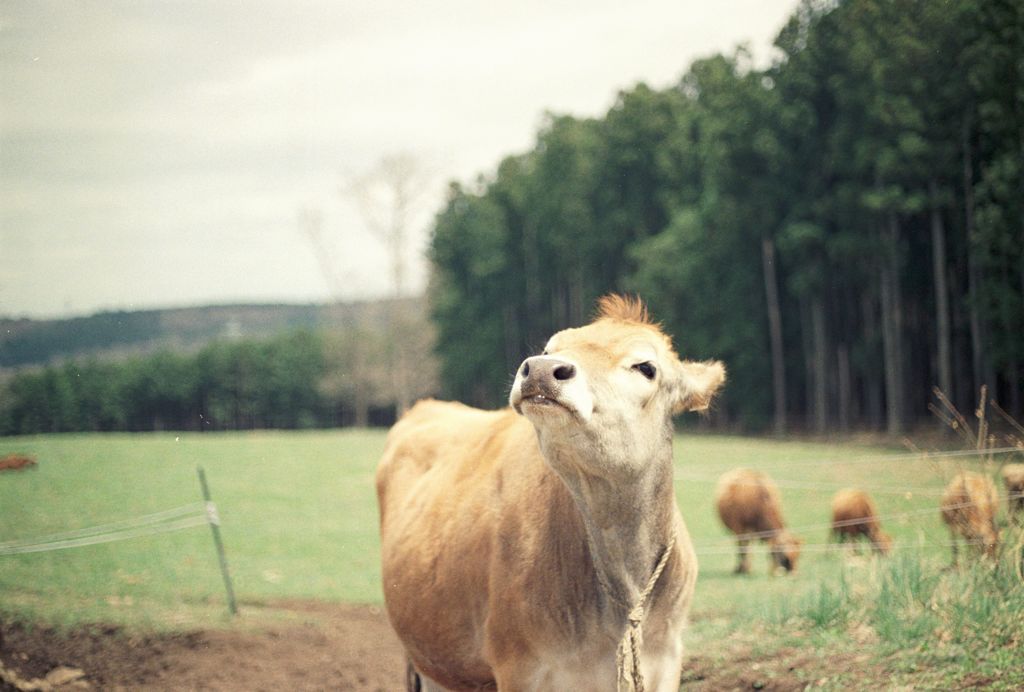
{"x": 176, "y": 519}
{"x": 824, "y": 485}
{"x": 205, "y": 513}
{"x": 921, "y": 456}
{"x": 726, "y": 544}
{"x": 827, "y": 547}
{"x": 809, "y": 528}
{"x": 685, "y": 476}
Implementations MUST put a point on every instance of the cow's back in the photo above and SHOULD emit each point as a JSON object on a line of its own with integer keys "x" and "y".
{"x": 853, "y": 513}
{"x": 748, "y": 502}
{"x": 969, "y": 505}
{"x": 438, "y": 485}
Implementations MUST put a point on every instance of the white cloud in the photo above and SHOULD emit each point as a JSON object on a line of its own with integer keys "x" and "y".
{"x": 159, "y": 153}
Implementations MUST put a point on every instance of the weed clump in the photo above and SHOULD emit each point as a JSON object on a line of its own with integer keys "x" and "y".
{"x": 922, "y": 614}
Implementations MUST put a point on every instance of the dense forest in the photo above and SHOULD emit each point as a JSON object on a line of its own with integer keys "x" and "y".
{"x": 845, "y": 229}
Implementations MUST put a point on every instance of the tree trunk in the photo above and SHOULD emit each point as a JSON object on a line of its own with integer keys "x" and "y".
{"x": 775, "y": 335}
{"x": 398, "y": 356}
{"x": 362, "y": 386}
{"x": 513, "y": 357}
{"x": 843, "y": 373}
{"x": 362, "y": 412}
{"x": 1013, "y": 377}
{"x": 978, "y": 360}
{"x": 532, "y": 282}
{"x": 963, "y": 377}
{"x": 807, "y": 345}
{"x": 577, "y": 306}
{"x": 820, "y": 364}
{"x": 872, "y": 383}
{"x": 892, "y": 324}
{"x": 943, "y": 351}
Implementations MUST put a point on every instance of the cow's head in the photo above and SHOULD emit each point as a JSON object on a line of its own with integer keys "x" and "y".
{"x": 881, "y": 542}
{"x": 785, "y": 551}
{"x": 614, "y": 384}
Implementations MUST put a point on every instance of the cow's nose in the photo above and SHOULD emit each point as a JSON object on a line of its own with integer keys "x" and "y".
{"x": 543, "y": 367}
{"x": 565, "y": 372}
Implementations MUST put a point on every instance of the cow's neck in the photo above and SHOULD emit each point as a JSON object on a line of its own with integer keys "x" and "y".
{"x": 627, "y": 513}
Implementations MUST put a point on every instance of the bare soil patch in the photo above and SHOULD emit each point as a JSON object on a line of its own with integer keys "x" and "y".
{"x": 334, "y": 646}
{"x": 785, "y": 670}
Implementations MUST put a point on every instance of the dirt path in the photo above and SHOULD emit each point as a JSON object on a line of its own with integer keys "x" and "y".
{"x": 322, "y": 646}
{"x": 333, "y": 646}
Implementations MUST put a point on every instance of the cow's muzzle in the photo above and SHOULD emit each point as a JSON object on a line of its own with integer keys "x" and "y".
{"x": 539, "y": 383}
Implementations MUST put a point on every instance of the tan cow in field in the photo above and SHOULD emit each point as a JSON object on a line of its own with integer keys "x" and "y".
{"x": 1013, "y": 479}
{"x": 749, "y": 505}
{"x": 968, "y": 507}
{"x": 16, "y": 462}
{"x": 516, "y": 548}
{"x": 854, "y": 515}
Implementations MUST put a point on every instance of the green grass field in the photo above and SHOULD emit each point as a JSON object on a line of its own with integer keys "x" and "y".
{"x": 299, "y": 520}
{"x": 297, "y": 511}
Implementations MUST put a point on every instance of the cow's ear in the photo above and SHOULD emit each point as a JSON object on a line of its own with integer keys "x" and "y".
{"x": 697, "y": 384}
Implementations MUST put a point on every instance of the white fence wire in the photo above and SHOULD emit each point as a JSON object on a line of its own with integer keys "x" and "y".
{"x": 725, "y": 544}
{"x": 921, "y": 456}
{"x": 176, "y": 519}
{"x": 809, "y": 528}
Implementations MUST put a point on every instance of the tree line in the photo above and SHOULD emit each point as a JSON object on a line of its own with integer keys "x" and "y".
{"x": 299, "y": 379}
{"x": 845, "y": 229}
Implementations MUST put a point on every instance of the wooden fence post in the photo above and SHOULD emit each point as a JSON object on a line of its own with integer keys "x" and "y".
{"x": 214, "y": 521}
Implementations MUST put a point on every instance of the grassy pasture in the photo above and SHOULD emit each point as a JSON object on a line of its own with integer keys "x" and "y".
{"x": 297, "y": 513}
{"x": 299, "y": 520}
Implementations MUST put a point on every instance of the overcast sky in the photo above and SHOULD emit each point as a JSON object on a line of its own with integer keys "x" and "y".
{"x": 158, "y": 154}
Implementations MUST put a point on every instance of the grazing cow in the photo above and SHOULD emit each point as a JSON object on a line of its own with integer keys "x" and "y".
{"x": 1013, "y": 479}
{"x": 16, "y": 462}
{"x": 749, "y": 506}
{"x": 968, "y": 508}
{"x": 530, "y": 552}
{"x": 854, "y": 515}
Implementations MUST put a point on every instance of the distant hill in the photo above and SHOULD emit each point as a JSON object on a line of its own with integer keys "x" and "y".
{"x": 26, "y": 342}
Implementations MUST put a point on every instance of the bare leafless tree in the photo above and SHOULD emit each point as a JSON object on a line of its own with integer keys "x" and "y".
{"x": 391, "y": 198}
{"x": 311, "y": 225}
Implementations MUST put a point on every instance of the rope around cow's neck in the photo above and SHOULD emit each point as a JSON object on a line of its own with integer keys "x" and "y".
{"x": 627, "y": 656}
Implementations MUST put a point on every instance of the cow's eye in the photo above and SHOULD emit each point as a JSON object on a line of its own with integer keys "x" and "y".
{"x": 646, "y": 369}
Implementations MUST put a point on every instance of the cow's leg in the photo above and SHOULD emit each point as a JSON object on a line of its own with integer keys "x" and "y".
{"x": 662, "y": 668}
{"x": 744, "y": 564}
{"x": 839, "y": 538}
{"x": 413, "y": 682}
{"x": 428, "y": 685}
{"x": 417, "y": 682}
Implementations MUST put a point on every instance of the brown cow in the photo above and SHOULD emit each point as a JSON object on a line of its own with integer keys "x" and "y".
{"x": 968, "y": 508}
{"x": 1013, "y": 479}
{"x": 749, "y": 505}
{"x": 854, "y": 515}
{"x": 16, "y": 462}
{"x": 514, "y": 546}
